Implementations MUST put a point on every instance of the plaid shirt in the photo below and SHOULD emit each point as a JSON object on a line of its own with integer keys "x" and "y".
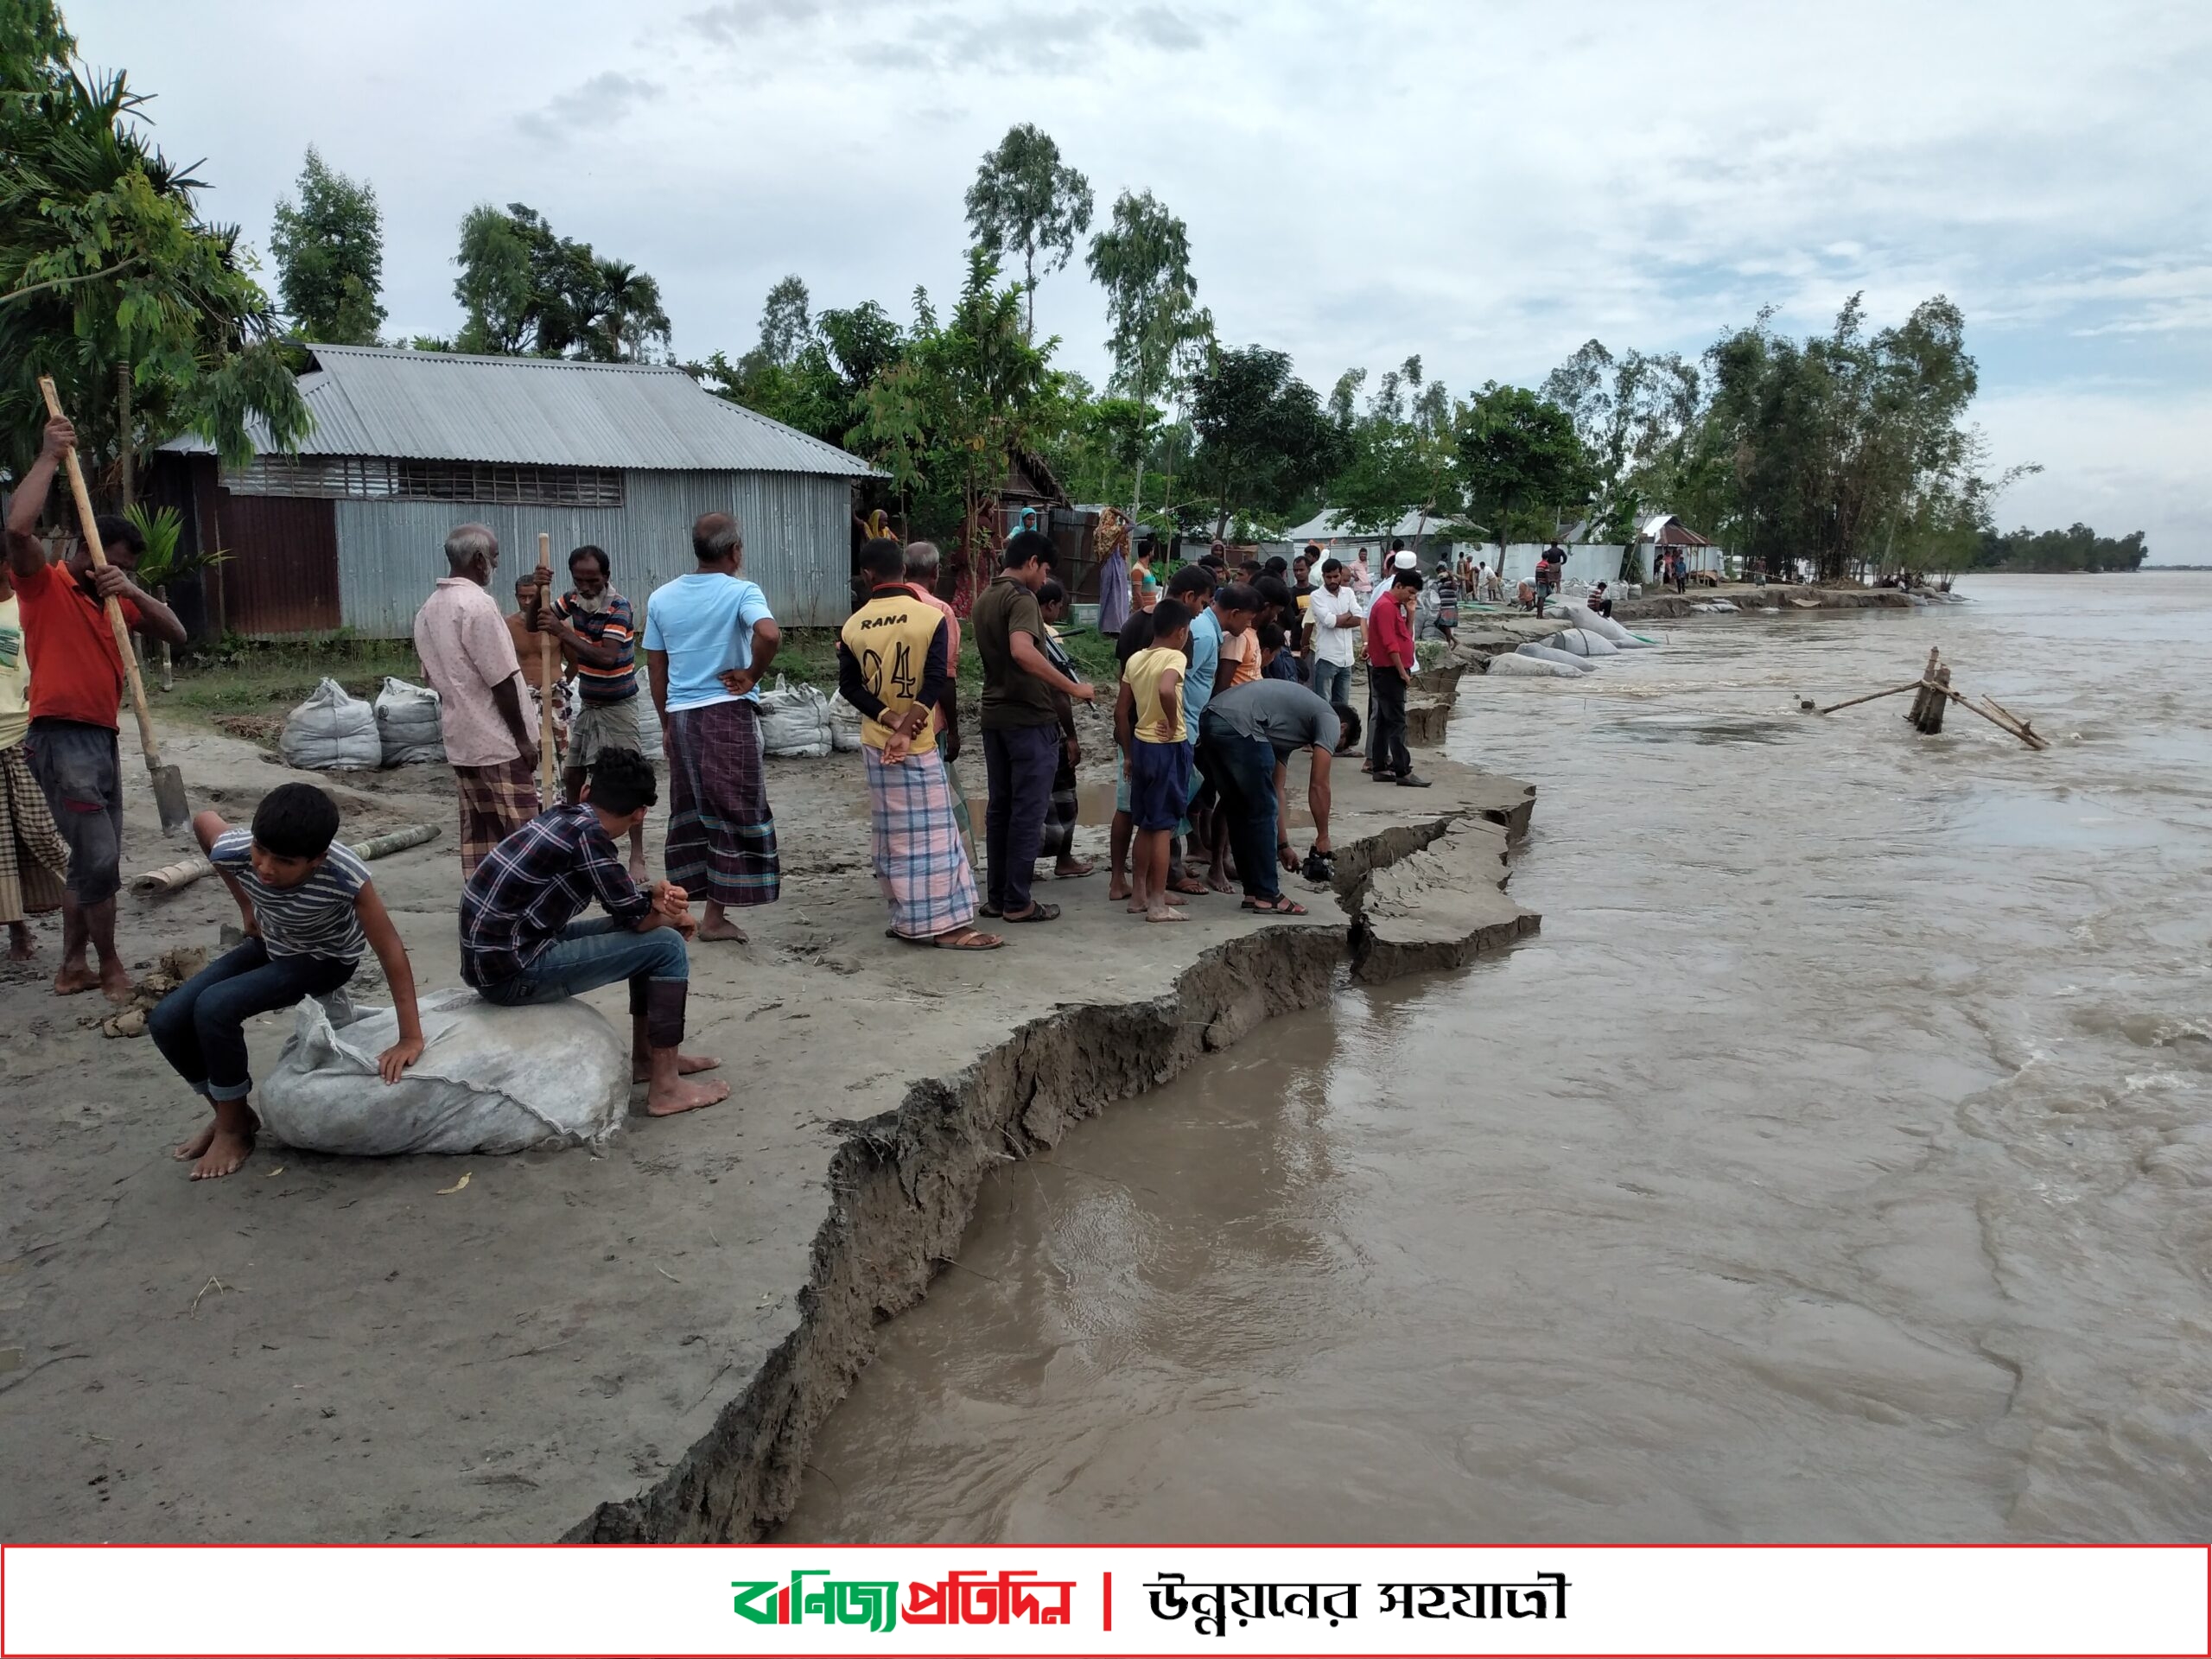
{"x": 533, "y": 885}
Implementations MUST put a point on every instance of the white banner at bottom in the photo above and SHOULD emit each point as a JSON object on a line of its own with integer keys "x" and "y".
{"x": 134, "y": 1600}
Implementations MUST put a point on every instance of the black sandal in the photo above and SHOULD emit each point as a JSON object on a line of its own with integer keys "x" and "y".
{"x": 1038, "y": 911}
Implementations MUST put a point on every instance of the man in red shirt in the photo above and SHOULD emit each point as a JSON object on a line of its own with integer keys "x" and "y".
{"x": 1389, "y": 669}
{"x": 77, "y": 682}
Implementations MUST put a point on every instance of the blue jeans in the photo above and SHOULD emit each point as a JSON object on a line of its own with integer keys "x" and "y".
{"x": 1243, "y": 770}
{"x": 1332, "y": 681}
{"x": 1022, "y": 762}
{"x": 200, "y": 1027}
{"x": 598, "y": 952}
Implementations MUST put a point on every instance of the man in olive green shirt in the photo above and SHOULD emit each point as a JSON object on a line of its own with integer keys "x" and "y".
{"x": 1021, "y": 737}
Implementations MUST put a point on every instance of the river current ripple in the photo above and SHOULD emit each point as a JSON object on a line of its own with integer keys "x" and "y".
{"x": 1835, "y": 1166}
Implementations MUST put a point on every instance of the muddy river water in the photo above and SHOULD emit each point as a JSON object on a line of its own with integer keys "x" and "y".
{"x": 1836, "y": 1165}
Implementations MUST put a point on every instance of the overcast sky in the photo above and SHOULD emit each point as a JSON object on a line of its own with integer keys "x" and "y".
{"x": 1485, "y": 184}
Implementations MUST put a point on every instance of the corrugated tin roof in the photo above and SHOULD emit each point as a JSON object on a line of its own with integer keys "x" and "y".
{"x": 1657, "y": 530}
{"x": 1327, "y": 526}
{"x": 371, "y": 400}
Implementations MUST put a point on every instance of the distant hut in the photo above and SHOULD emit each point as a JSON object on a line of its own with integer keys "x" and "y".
{"x": 1666, "y": 532}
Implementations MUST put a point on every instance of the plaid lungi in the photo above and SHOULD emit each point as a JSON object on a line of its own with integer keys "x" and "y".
{"x": 34, "y": 859}
{"x": 920, "y": 862}
{"x": 1058, "y": 840}
{"x": 721, "y": 837}
{"x": 959, "y": 800}
{"x": 495, "y": 802}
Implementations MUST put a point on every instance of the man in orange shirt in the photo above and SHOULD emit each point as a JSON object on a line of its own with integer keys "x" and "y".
{"x": 77, "y": 681}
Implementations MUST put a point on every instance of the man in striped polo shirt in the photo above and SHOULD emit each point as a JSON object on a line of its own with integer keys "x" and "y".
{"x": 598, "y": 634}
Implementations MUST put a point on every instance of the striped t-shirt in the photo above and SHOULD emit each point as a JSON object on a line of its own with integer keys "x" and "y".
{"x": 317, "y": 917}
{"x": 612, "y": 626}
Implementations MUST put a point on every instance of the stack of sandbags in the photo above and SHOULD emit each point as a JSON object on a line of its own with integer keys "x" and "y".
{"x": 1538, "y": 653}
{"x": 1582, "y": 642}
{"x": 795, "y": 721}
{"x": 844, "y": 724}
{"x": 407, "y": 724}
{"x": 332, "y": 731}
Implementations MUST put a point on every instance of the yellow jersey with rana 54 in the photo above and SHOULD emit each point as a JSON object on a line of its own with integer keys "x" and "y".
{"x": 889, "y": 637}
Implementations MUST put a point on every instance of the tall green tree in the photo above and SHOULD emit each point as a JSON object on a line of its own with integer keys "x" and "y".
{"x": 527, "y": 292}
{"x": 787, "y": 322}
{"x": 1159, "y": 331}
{"x": 110, "y": 279}
{"x": 1520, "y": 462}
{"x": 961, "y": 398}
{"x": 1637, "y": 417}
{"x": 1836, "y": 443}
{"x": 1265, "y": 446}
{"x": 1026, "y": 201}
{"x": 328, "y": 243}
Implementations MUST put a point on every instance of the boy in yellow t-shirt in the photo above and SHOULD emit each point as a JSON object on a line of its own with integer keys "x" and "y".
{"x": 1148, "y": 726}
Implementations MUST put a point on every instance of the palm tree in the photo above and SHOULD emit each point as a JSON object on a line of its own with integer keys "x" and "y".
{"x": 631, "y": 318}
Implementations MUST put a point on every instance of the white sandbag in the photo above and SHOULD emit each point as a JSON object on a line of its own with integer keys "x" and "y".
{"x": 1512, "y": 664}
{"x": 1546, "y": 654}
{"x": 844, "y": 724}
{"x": 649, "y": 744}
{"x": 490, "y": 1080}
{"x": 1587, "y": 620}
{"x": 407, "y": 724}
{"x": 332, "y": 731}
{"x": 795, "y": 721}
{"x": 1580, "y": 642}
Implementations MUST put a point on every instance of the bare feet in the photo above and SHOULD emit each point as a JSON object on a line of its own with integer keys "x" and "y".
{"x": 1164, "y": 914}
{"x": 73, "y": 977}
{"x": 716, "y": 925}
{"x": 641, "y": 1071}
{"x": 115, "y": 982}
{"x": 22, "y": 946}
{"x": 684, "y": 1097}
{"x": 638, "y": 872}
{"x": 226, "y": 1153}
{"x": 1117, "y": 885}
{"x": 198, "y": 1143}
{"x": 1217, "y": 881}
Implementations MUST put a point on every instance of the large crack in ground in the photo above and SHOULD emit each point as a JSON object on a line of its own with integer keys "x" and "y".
{"x": 905, "y": 1184}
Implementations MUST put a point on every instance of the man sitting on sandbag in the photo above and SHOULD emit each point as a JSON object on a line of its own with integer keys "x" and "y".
{"x": 520, "y": 942}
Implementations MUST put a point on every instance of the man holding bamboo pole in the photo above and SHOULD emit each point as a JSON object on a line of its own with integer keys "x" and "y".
{"x": 77, "y": 684}
{"x": 468, "y": 657}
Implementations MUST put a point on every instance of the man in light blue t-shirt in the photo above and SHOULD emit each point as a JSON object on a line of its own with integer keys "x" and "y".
{"x": 709, "y": 636}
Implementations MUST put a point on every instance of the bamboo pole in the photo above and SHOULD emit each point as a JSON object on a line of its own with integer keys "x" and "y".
{"x": 2019, "y": 731}
{"x": 186, "y": 871}
{"x": 1909, "y": 685}
{"x": 548, "y": 654}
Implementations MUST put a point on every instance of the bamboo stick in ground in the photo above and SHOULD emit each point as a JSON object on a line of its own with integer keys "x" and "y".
{"x": 2027, "y": 737}
{"x": 548, "y": 656}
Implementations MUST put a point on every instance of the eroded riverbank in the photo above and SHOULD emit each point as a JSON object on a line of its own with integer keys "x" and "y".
{"x": 636, "y": 1345}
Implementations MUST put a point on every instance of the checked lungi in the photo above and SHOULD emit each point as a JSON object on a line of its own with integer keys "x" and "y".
{"x": 919, "y": 860}
{"x": 34, "y": 859}
{"x": 495, "y": 802}
{"x": 1060, "y": 811}
{"x": 960, "y": 815}
{"x": 721, "y": 837}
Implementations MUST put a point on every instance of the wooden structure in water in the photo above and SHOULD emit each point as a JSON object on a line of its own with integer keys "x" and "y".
{"x": 1933, "y": 695}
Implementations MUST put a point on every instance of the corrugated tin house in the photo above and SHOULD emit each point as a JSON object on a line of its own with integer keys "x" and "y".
{"x": 349, "y": 531}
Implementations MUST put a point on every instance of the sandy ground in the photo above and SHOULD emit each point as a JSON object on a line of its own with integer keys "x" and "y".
{"x": 320, "y": 1348}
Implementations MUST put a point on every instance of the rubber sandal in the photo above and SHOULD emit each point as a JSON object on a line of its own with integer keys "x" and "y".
{"x": 1280, "y": 907}
{"x": 1089, "y": 868}
{"x": 1038, "y": 912}
{"x": 991, "y": 911}
{"x": 966, "y": 938}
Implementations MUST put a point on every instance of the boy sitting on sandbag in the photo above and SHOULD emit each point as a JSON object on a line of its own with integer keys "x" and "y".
{"x": 520, "y": 942}
{"x": 308, "y": 908}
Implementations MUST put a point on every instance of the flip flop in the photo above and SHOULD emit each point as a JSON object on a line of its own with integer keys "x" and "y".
{"x": 1190, "y": 885}
{"x": 1280, "y": 907}
{"x": 1038, "y": 911}
{"x": 1089, "y": 868}
{"x": 967, "y": 939}
{"x": 991, "y": 911}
